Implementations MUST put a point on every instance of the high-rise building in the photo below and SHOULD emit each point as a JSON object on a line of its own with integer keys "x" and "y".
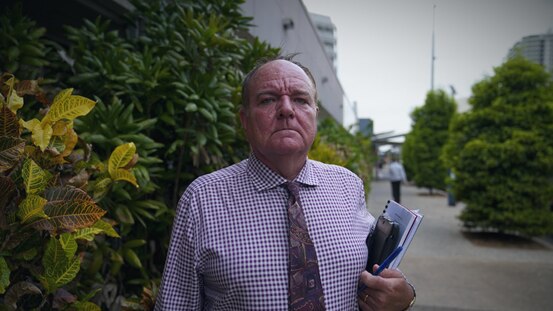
{"x": 327, "y": 33}
{"x": 537, "y": 48}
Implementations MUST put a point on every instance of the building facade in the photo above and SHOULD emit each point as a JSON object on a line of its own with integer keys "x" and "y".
{"x": 327, "y": 33}
{"x": 537, "y": 48}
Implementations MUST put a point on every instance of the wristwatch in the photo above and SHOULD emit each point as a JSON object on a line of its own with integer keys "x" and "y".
{"x": 412, "y": 303}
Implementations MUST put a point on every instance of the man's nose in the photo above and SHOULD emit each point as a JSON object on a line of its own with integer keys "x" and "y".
{"x": 285, "y": 108}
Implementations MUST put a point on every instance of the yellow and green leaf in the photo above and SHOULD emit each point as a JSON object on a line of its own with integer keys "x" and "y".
{"x": 54, "y": 254}
{"x": 41, "y": 132}
{"x": 107, "y": 228}
{"x": 42, "y": 135}
{"x": 68, "y": 107}
{"x": 4, "y": 275}
{"x": 60, "y": 127}
{"x": 70, "y": 139}
{"x": 68, "y": 209}
{"x": 13, "y": 101}
{"x": 34, "y": 177}
{"x": 62, "y": 96}
{"x": 122, "y": 174}
{"x": 120, "y": 157}
{"x": 86, "y": 233}
{"x": 67, "y": 274}
{"x": 68, "y": 244}
{"x": 69, "y": 216}
{"x": 31, "y": 208}
{"x": 56, "y": 195}
{"x": 29, "y": 125}
{"x": 59, "y": 266}
{"x": 57, "y": 145}
{"x": 101, "y": 186}
{"x": 99, "y": 227}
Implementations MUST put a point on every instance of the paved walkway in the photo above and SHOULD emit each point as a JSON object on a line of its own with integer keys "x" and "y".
{"x": 452, "y": 272}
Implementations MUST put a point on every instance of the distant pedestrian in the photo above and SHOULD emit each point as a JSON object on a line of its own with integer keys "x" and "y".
{"x": 397, "y": 177}
{"x": 450, "y": 196}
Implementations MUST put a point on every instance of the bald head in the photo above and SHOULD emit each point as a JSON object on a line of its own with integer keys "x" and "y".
{"x": 246, "y": 84}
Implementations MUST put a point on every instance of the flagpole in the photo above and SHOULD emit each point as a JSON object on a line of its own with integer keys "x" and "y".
{"x": 433, "y": 47}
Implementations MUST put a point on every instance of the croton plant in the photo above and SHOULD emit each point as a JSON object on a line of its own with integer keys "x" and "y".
{"x": 50, "y": 182}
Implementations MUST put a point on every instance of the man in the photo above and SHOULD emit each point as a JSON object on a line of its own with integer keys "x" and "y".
{"x": 397, "y": 177}
{"x": 230, "y": 243}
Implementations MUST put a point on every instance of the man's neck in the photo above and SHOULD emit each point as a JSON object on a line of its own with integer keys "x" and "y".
{"x": 286, "y": 166}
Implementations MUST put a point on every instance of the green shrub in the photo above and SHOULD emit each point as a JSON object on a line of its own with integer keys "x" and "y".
{"x": 24, "y": 50}
{"x": 423, "y": 145}
{"x": 172, "y": 86}
{"x": 502, "y": 152}
{"x": 49, "y": 221}
{"x": 336, "y": 145}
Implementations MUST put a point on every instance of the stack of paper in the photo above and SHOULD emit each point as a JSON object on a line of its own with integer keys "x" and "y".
{"x": 408, "y": 220}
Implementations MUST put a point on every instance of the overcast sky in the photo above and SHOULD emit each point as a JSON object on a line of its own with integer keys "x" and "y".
{"x": 384, "y": 48}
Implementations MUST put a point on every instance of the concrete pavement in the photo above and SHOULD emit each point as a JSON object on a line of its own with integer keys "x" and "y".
{"x": 453, "y": 272}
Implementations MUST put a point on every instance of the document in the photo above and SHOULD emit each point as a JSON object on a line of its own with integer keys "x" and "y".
{"x": 408, "y": 221}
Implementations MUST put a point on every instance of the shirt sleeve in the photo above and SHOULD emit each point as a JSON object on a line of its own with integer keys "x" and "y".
{"x": 403, "y": 175}
{"x": 181, "y": 287}
{"x": 362, "y": 200}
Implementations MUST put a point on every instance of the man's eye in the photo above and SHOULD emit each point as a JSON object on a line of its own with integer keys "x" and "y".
{"x": 266, "y": 101}
{"x": 301, "y": 101}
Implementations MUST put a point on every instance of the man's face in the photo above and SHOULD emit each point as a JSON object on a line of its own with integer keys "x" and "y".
{"x": 281, "y": 118}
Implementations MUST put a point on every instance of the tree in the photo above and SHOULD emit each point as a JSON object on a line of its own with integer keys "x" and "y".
{"x": 425, "y": 141}
{"x": 408, "y": 154}
{"x": 502, "y": 151}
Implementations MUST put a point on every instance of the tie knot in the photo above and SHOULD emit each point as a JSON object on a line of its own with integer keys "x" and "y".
{"x": 293, "y": 188}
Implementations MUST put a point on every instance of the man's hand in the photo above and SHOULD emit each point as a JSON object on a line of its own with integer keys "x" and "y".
{"x": 387, "y": 291}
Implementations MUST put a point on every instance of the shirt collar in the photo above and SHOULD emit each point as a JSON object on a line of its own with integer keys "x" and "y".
{"x": 264, "y": 178}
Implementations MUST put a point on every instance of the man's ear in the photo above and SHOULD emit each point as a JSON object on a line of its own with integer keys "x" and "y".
{"x": 243, "y": 119}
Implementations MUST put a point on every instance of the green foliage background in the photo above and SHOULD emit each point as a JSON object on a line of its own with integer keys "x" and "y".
{"x": 170, "y": 84}
{"x": 336, "y": 145}
{"x": 423, "y": 145}
{"x": 502, "y": 151}
{"x": 23, "y": 46}
{"x": 174, "y": 89}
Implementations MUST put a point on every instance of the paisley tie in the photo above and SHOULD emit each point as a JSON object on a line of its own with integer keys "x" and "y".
{"x": 305, "y": 291}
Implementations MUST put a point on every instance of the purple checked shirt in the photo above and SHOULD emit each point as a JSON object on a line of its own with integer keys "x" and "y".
{"x": 229, "y": 246}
